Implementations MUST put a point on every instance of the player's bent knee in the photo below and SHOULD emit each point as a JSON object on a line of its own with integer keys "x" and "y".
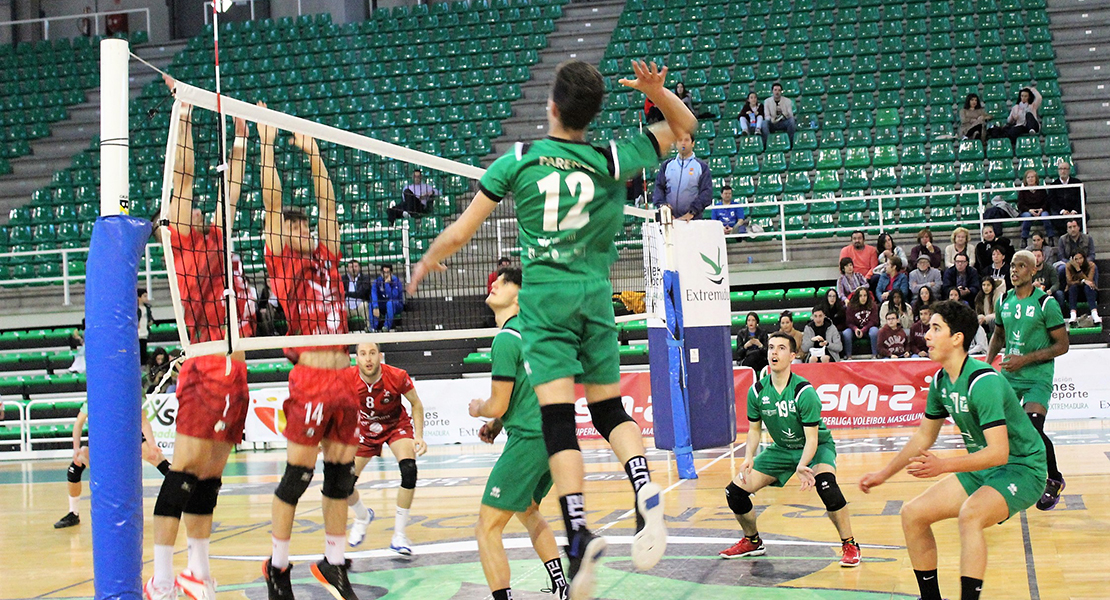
{"x": 73, "y": 473}
{"x": 177, "y": 488}
{"x": 607, "y": 415}
{"x": 339, "y": 480}
{"x": 559, "y": 429}
{"x": 829, "y": 492}
{"x": 205, "y": 495}
{"x": 739, "y": 501}
{"x": 293, "y": 483}
{"x": 408, "y": 473}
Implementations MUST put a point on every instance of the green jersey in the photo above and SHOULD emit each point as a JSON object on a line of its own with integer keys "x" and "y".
{"x": 1028, "y": 324}
{"x": 523, "y": 415}
{"x": 569, "y": 199}
{"x": 978, "y": 400}
{"x": 785, "y": 415}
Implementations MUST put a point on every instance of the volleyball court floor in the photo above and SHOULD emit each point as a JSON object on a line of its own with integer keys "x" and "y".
{"x": 1061, "y": 554}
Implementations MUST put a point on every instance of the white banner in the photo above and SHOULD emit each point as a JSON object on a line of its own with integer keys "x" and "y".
{"x": 1081, "y": 389}
{"x": 161, "y": 411}
{"x": 703, "y": 272}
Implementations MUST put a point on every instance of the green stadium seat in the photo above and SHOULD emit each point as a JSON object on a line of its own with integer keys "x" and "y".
{"x": 773, "y": 163}
{"x": 802, "y": 160}
{"x": 827, "y": 181}
{"x": 1057, "y": 145}
{"x": 884, "y": 178}
{"x": 942, "y": 173}
{"x": 999, "y": 148}
{"x": 941, "y": 152}
{"x": 829, "y": 158}
{"x": 857, "y": 157}
{"x": 855, "y": 179}
{"x": 1028, "y": 146}
{"x": 798, "y": 182}
{"x": 970, "y": 150}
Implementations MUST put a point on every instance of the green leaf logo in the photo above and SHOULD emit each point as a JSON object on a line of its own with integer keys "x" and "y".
{"x": 714, "y": 272}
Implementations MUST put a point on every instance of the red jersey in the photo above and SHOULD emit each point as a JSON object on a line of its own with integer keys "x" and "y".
{"x": 381, "y": 402}
{"x": 199, "y": 261}
{"x": 246, "y": 300}
{"x": 309, "y": 289}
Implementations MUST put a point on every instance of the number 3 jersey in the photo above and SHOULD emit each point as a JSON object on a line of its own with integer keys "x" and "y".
{"x": 569, "y": 199}
{"x": 1028, "y": 323}
{"x": 379, "y": 403}
{"x": 786, "y": 415}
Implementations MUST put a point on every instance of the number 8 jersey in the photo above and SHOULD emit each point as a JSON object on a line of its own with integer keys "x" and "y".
{"x": 569, "y": 199}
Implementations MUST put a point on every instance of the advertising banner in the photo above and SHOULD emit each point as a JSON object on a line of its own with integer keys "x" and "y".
{"x": 1081, "y": 389}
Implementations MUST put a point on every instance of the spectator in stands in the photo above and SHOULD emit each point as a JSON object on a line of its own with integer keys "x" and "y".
{"x": 684, "y": 95}
{"x": 985, "y": 302}
{"x": 1023, "y": 117}
{"x": 925, "y": 276}
{"x": 77, "y": 343}
{"x": 634, "y": 190}
{"x": 863, "y": 320}
{"x": 356, "y": 286}
{"x": 893, "y": 338}
{"x": 973, "y": 119}
{"x": 821, "y": 340}
{"x": 925, "y": 297}
{"x": 1064, "y": 202}
{"x": 960, "y": 239}
{"x": 416, "y": 199}
{"x": 778, "y": 114}
{"x": 849, "y": 280}
{"x": 1037, "y": 241}
{"x": 652, "y": 114}
{"x": 954, "y": 296}
{"x": 751, "y": 116}
{"x": 1033, "y": 204}
{"x": 1070, "y": 243}
{"x": 730, "y": 215}
{"x": 1046, "y": 279}
{"x": 1082, "y": 278}
{"x": 786, "y": 325}
{"x": 502, "y": 263}
{"x": 751, "y": 344}
{"x": 864, "y": 258}
{"x": 684, "y": 182}
{"x": 918, "y": 347}
{"x": 833, "y": 307}
{"x": 156, "y": 368}
{"x": 983, "y": 249}
{"x": 388, "y": 297}
{"x": 893, "y": 279}
{"x": 885, "y": 248}
{"x": 999, "y": 269}
{"x": 146, "y": 319}
{"x": 898, "y": 305}
{"x": 926, "y": 247}
{"x": 962, "y": 279}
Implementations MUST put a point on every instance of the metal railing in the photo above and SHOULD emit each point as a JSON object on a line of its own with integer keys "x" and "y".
{"x": 208, "y": 9}
{"x": 24, "y": 431}
{"x": 67, "y": 279}
{"x": 95, "y": 18}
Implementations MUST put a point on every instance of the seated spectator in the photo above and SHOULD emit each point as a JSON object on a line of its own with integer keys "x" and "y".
{"x": 960, "y": 239}
{"x": 1037, "y": 241}
{"x": 684, "y": 95}
{"x": 918, "y": 347}
{"x": 730, "y": 215}
{"x": 1082, "y": 278}
{"x": 1064, "y": 202}
{"x": 356, "y": 286}
{"x": 1046, "y": 278}
{"x": 898, "y": 305}
{"x": 684, "y": 182}
{"x": 893, "y": 279}
{"x": 980, "y": 344}
{"x": 1070, "y": 243}
{"x": 751, "y": 344}
{"x": 416, "y": 199}
{"x": 925, "y": 297}
{"x": 864, "y": 258}
{"x": 786, "y": 325}
{"x": 1023, "y": 117}
{"x": 986, "y": 301}
{"x": 954, "y": 296}
{"x": 862, "y": 316}
{"x": 388, "y": 295}
{"x": 502, "y": 263}
{"x": 778, "y": 114}
{"x": 652, "y": 114}
{"x": 156, "y": 369}
{"x": 973, "y": 119}
{"x": 821, "y": 340}
{"x": 751, "y": 116}
{"x": 926, "y": 247}
{"x": 924, "y": 276}
{"x": 1032, "y": 204}
{"x": 833, "y": 307}
{"x": 999, "y": 269}
{"x": 983, "y": 249}
{"x": 961, "y": 279}
{"x": 884, "y": 246}
{"x": 894, "y": 340}
{"x": 849, "y": 280}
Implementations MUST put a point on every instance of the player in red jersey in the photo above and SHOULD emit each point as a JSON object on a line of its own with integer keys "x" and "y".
{"x": 212, "y": 390}
{"x": 321, "y": 411}
{"x": 382, "y": 419}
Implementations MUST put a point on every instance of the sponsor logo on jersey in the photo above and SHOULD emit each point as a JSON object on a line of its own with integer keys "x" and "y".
{"x": 376, "y": 428}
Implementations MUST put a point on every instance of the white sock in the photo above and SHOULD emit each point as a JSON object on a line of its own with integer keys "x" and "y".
{"x": 75, "y": 504}
{"x": 400, "y": 521}
{"x": 333, "y": 548}
{"x": 360, "y": 511}
{"x": 279, "y": 559}
{"x": 163, "y": 567}
{"x": 1094, "y": 313}
{"x": 198, "y": 558}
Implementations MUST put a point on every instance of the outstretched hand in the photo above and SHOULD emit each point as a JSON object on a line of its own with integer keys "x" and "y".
{"x": 421, "y": 271}
{"x": 806, "y": 477}
{"x": 240, "y": 128}
{"x": 305, "y": 143}
{"x": 266, "y": 133}
{"x": 926, "y": 465}
{"x": 650, "y": 79}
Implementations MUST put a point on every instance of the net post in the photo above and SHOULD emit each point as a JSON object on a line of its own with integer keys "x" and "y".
{"x": 114, "y": 176}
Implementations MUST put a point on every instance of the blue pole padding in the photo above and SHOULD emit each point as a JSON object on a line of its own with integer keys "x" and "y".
{"x": 114, "y": 380}
{"x": 683, "y": 451}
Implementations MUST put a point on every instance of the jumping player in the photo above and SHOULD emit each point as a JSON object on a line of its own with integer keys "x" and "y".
{"x": 321, "y": 411}
{"x": 521, "y": 478}
{"x": 1031, "y": 328}
{"x": 1002, "y": 473}
{"x": 569, "y": 198}
{"x": 382, "y": 419}
{"x": 801, "y": 444}
{"x": 212, "y": 390}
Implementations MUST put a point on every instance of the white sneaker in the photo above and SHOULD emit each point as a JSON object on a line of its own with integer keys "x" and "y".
{"x": 649, "y": 543}
{"x": 1094, "y": 317}
{"x": 195, "y": 588}
{"x": 1074, "y": 318}
{"x": 152, "y": 593}
{"x": 358, "y": 531}
{"x": 401, "y": 545}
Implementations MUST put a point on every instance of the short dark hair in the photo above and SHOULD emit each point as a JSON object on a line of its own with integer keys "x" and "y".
{"x": 818, "y": 308}
{"x": 844, "y": 262}
{"x": 293, "y": 215}
{"x": 896, "y": 261}
{"x": 793, "y": 342}
{"x": 512, "y": 275}
{"x": 859, "y": 231}
{"x": 387, "y": 266}
{"x": 141, "y": 292}
{"x": 504, "y": 259}
{"x": 1073, "y": 220}
{"x": 577, "y": 92}
{"x": 786, "y": 314}
{"x": 726, "y": 187}
{"x": 776, "y": 85}
{"x": 959, "y": 254}
{"x": 960, "y": 319}
{"x": 354, "y": 261}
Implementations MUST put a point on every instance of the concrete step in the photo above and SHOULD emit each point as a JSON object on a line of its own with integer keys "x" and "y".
{"x": 1090, "y": 69}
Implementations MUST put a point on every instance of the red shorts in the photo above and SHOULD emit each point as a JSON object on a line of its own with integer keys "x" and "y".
{"x": 321, "y": 404}
{"x": 378, "y": 434}
{"x": 212, "y": 405}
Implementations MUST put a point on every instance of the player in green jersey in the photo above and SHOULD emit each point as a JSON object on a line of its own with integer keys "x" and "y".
{"x": 1001, "y": 474}
{"x": 521, "y": 478}
{"x": 1030, "y": 327}
{"x": 801, "y": 444}
{"x": 569, "y": 200}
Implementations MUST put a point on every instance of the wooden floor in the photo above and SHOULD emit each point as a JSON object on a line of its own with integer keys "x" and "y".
{"x": 1060, "y": 554}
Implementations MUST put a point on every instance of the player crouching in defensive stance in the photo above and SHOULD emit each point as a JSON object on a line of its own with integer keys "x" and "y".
{"x": 789, "y": 406}
{"x": 1002, "y": 474}
{"x": 382, "y": 419}
{"x": 521, "y": 478}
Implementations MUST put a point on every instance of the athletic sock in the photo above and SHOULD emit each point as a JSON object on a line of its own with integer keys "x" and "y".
{"x": 505, "y": 594}
{"x": 400, "y": 521}
{"x": 754, "y": 538}
{"x": 1050, "y": 456}
{"x": 638, "y": 474}
{"x": 279, "y": 557}
{"x": 555, "y": 572}
{"x": 333, "y": 548}
{"x": 198, "y": 557}
{"x": 164, "y": 467}
{"x": 928, "y": 584}
{"x": 361, "y": 513}
{"x": 574, "y": 513}
{"x": 970, "y": 588}
{"x": 75, "y": 504}
{"x": 849, "y": 540}
{"x": 163, "y": 567}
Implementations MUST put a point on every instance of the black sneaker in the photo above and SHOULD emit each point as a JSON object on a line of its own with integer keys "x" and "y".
{"x": 69, "y": 520}
{"x": 277, "y": 581}
{"x": 583, "y": 553}
{"x": 334, "y": 579}
{"x": 1048, "y": 500}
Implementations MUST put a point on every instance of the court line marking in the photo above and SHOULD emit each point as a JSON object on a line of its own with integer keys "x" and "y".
{"x": 1030, "y": 568}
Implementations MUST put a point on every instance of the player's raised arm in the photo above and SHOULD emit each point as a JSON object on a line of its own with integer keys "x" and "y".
{"x": 417, "y": 421}
{"x": 235, "y": 170}
{"x": 271, "y": 186}
{"x": 678, "y": 119}
{"x": 181, "y": 200}
{"x": 453, "y": 238}
{"x": 328, "y": 221}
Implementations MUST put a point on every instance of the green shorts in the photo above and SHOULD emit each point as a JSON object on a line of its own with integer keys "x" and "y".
{"x": 781, "y": 463}
{"x": 1020, "y": 485}
{"x": 520, "y": 477}
{"x": 568, "y": 331}
{"x": 1039, "y": 391}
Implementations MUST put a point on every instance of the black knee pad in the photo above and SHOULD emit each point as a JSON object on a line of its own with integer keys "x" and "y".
{"x": 408, "y": 473}
{"x": 738, "y": 500}
{"x": 830, "y": 492}
{"x": 73, "y": 473}
{"x": 205, "y": 495}
{"x": 339, "y": 480}
{"x": 173, "y": 497}
{"x": 293, "y": 483}
{"x": 1038, "y": 420}
{"x": 607, "y": 414}
{"x": 559, "y": 429}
